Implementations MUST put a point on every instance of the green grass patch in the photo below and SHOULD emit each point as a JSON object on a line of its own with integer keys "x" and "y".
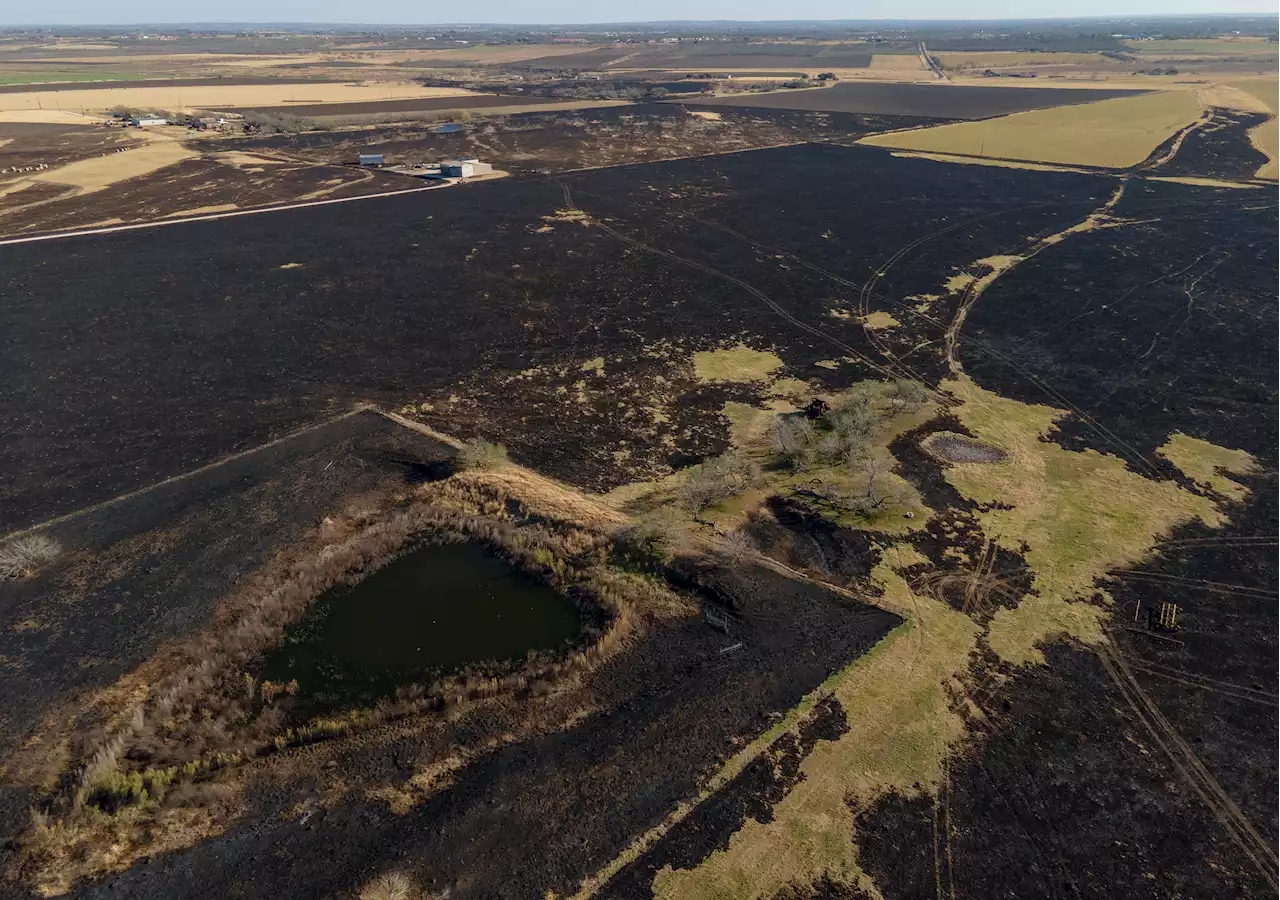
{"x": 1209, "y": 464}
{"x": 737, "y": 364}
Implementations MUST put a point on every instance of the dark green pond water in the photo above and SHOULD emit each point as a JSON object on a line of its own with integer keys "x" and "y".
{"x": 433, "y": 610}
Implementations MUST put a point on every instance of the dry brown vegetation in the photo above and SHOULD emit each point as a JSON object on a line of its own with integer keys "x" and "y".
{"x": 152, "y": 777}
{"x": 481, "y": 454}
{"x": 1114, "y": 133}
{"x": 1266, "y": 137}
{"x": 22, "y": 556}
{"x": 390, "y": 886}
{"x": 1080, "y": 512}
{"x": 213, "y": 95}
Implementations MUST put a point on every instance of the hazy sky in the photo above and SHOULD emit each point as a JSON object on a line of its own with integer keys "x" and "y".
{"x": 396, "y": 12}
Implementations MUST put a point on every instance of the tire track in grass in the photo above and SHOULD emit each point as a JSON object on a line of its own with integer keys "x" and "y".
{"x": 1187, "y": 764}
{"x": 1203, "y": 682}
{"x": 738, "y": 282}
{"x": 952, "y": 330}
{"x": 976, "y": 289}
{"x": 191, "y": 473}
{"x": 1213, "y": 587}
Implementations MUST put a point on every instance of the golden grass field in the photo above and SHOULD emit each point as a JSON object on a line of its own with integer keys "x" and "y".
{"x": 897, "y": 62}
{"x": 91, "y": 175}
{"x": 999, "y": 59}
{"x": 1266, "y": 137}
{"x": 1223, "y": 47}
{"x": 1114, "y": 133}
{"x": 47, "y": 116}
{"x": 508, "y": 53}
{"x": 213, "y": 96}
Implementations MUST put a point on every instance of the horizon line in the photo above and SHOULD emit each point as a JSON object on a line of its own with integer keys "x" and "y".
{"x": 651, "y": 22}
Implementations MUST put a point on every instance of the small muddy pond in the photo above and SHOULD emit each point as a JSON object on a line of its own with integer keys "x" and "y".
{"x": 959, "y": 448}
{"x": 433, "y": 610}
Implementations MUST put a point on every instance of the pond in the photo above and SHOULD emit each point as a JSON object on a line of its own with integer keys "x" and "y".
{"x": 436, "y": 609}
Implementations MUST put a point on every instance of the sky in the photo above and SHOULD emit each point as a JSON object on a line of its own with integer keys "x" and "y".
{"x": 407, "y": 12}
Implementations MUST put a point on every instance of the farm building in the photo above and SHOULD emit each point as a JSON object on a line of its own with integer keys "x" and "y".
{"x": 150, "y": 120}
{"x": 464, "y": 168}
{"x": 371, "y": 159}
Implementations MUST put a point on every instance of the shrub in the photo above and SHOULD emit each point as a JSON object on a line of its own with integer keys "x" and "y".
{"x": 115, "y": 789}
{"x": 282, "y": 123}
{"x": 738, "y": 545}
{"x": 648, "y": 544}
{"x": 389, "y": 886}
{"x": 793, "y": 439}
{"x": 481, "y": 454}
{"x": 909, "y": 394}
{"x": 22, "y": 557}
{"x": 717, "y": 478}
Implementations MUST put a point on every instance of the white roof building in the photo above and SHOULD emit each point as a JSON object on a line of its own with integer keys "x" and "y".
{"x": 464, "y": 168}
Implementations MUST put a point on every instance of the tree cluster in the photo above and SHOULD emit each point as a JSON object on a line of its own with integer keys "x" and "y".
{"x": 842, "y": 435}
{"x": 717, "y": 478}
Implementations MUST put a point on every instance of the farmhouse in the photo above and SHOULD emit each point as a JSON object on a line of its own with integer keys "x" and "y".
{"x": 464, "y": 168}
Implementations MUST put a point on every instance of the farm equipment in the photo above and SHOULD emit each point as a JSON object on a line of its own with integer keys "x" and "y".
{"x": 1162, "y": 621}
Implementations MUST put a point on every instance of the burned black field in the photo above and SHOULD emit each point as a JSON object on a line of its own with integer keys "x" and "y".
{"x": 318, "y": 165}
{"x": 213, "y": 182}
{"x": 1185, "y": 344}
{"x": 1221, "y": 149}
{"x": 538, "y": 142}
{"x": 425, "y": 104}
{"x": 1067, "y": 798}
{"x": 711, "y": 56}
{"x": 300, "y": 313}
{"x": 27, "y": 145}
{"x": 560, "y": 314}
{"x": 924, "y": 100}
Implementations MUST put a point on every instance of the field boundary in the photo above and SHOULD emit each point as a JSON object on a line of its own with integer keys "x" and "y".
{"x": 191, "y": 473}
{"x": 415, "y": 426}
{"x": 135, "y": 226}
{"x": 649, "y": 162}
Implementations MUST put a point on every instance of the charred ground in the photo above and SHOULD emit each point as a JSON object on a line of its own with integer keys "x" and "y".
{"x": 274, "y": 333}
{"x": 567, "y": 300}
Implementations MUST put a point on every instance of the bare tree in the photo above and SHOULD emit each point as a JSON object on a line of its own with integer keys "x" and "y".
{"x": 481, "y": 454}
{"x": 872, "y": 498}
{"x": 909, "y": 394}
{"x": 737, "y": 545}
{"x": 389, "y": 886}
{"x": 793, "y": 438}
{"x": 22, "y": 557}
{"x": 717, "y": 478}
